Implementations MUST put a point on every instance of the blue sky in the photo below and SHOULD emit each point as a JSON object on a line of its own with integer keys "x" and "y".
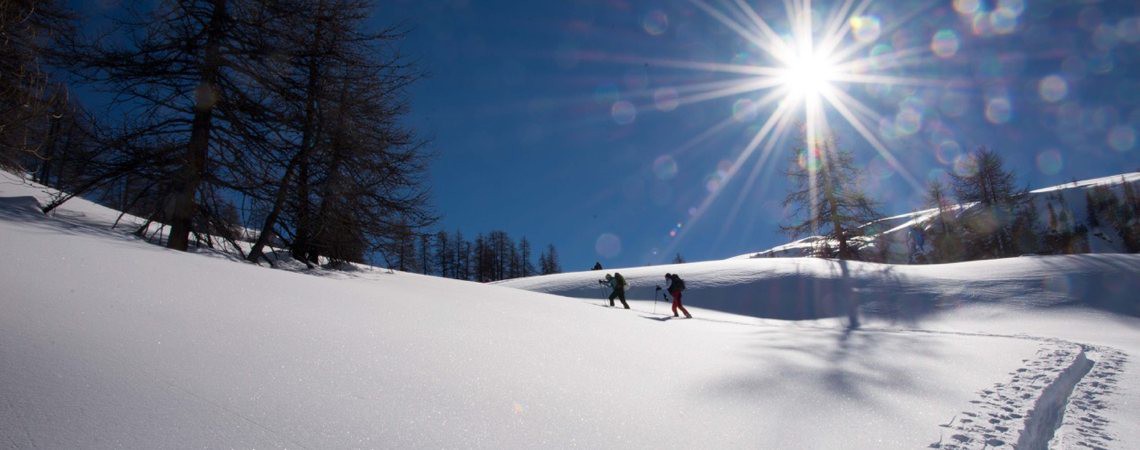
{"x": 559, "y": 120}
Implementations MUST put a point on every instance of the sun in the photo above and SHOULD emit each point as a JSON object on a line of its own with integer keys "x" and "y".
{"x": 803, "y": 76}
{"x": 808, "y": 74}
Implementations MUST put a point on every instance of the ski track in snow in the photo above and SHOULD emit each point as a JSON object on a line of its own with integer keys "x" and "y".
{"x": 1002, "y": 415}
{"x": 1083, "y": 427}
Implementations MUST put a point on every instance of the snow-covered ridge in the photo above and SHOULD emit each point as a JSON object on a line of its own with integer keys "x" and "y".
{"x": 1113, "y": 180}
{"x": 1063, "y": 208}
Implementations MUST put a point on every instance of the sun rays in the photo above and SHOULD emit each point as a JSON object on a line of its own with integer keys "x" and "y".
{"x": 808, "y": 63}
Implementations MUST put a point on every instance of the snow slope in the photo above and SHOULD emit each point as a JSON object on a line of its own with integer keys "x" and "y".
{"x": 108, "y": 341}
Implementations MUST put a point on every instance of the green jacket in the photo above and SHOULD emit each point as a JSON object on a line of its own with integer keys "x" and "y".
{"x": 618, "y": 283}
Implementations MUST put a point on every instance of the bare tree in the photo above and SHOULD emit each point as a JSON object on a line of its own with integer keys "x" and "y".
{"x": 34, "y": 109}
{"x": 525, "y": 253}
{"x": 187, "y": 72}
{"x": 548, "y": 261}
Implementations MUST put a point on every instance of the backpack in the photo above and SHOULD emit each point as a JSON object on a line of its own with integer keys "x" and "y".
{"x": 619, "y": 281}
{"x": 678, "y": 284}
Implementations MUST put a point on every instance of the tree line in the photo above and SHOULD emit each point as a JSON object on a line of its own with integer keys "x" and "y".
{"x": 223, "y": 115}
{"x": 1003, "y": 220}
{"x": 492, "y": 256}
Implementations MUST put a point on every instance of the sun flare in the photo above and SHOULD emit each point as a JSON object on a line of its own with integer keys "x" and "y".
{"x": 808, "y": 74}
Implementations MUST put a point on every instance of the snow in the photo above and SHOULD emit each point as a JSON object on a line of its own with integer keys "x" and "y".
{"x": 109, "y": 341}
{"x": 1131, "y": 177}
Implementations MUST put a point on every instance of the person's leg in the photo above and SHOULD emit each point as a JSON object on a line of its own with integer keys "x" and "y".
{"x": 678, "y": 305}
{"x": 612, "y": 295}
{"x": 621, "y": 296}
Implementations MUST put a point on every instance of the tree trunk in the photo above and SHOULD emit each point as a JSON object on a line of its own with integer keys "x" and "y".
{"x": 180, "y": 206}
{"x": 256, "y": 252}
{"x": 833, "y": 205}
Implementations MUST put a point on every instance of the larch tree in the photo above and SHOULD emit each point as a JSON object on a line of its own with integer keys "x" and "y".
{"x": 826, "y": 199}
{"x": 989, "y": 230}
{"x": 185, "y": 74}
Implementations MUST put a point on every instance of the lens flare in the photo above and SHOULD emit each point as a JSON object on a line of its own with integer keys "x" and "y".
{"x": 713, "y": 182}
{"x": 743, "y": 110}
{"x": 665, "y": 99}
{"x": 878, "y": 56}
{"x": 1122, "y": 138}
{"x": 948, "y": 152}
{"x": 945, "y": 43}
{"x": 967, "y": 7}
{"x": 1002, "y": 21}
{"x": 865, "y": 28}
{"x": 1052, "y": 88}
{"x": 1049, "y": 162}
{"x": 965, "y": 166}
{"x": 1128, "y": 30}
{"x": 623, "y": 112}
{"x": 664, "y": 167}
{"x": 608, "y": 245}
{"x": 998, "y": 110}
{"x": 811, "y": 164}
{"x": 1013, "y": 7}
{"x": 655, "y": 23}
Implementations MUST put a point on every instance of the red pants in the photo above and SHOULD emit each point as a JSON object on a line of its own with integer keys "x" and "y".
{"x": 677, "y": 304}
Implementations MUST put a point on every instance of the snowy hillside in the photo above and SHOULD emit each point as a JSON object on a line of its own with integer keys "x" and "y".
{"x": 109, "y": 341}
{"x": 1062, "y": 209}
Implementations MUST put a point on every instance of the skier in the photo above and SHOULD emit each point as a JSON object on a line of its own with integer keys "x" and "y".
{"x": 676, "y": 285}
{"x": 618, "y": 283}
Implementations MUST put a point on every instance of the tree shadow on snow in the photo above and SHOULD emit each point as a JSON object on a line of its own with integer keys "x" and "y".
{"x": 26, "y": 210}
{"x": 850, "y": 365}
{"x": 843, "y": 290}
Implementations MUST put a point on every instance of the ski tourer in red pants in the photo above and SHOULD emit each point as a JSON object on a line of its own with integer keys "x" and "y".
{"x": 676, "y": 285}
